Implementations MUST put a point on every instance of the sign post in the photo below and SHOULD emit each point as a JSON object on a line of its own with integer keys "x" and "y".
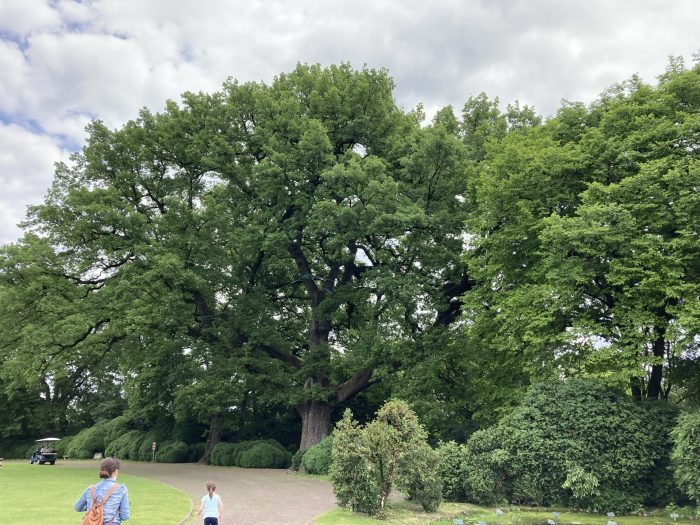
{"x": 153, "y": 449}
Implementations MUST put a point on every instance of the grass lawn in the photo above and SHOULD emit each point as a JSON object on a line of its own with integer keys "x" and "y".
{"x": 406, "y": 513}
{"x": 31, "y": 494}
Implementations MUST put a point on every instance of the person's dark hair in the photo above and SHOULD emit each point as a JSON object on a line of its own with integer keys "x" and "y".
{"x": 108, "y": 466}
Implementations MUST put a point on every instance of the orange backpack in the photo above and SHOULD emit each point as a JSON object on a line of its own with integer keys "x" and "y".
{"x": 95, "y": 514}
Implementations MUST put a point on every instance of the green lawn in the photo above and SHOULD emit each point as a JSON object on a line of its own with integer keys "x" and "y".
{"x": 31, "y": 494}
{"x": 406, "y": 513}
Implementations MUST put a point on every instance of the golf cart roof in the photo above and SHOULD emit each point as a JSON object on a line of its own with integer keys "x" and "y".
{"x": 47, "y": 440}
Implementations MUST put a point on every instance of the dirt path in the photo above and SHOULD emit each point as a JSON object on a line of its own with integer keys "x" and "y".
{"x": 250, "y": 496}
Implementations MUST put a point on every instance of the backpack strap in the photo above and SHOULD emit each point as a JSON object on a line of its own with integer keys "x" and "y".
{"x": 102, "y": 502}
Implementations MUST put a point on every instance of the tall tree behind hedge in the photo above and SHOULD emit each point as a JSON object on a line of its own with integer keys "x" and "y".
{"x": 583, "y": 243}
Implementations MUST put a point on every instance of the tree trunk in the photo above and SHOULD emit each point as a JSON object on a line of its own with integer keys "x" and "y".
{"x": 315, "y": 422}
{"x": 214, "y": 438}
{"x": 654, "y": 388}
{"x": 636, "y": 388}
{"x": 242, "y": 417}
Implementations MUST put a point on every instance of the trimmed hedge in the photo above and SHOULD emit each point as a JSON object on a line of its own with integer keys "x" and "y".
{"x": 251, "y": 454}
{"x": 221, "y": 455}
{"x": 265, "y": 455}
{"x": 172, "y": 452}
{"x": 144, "y": 452}
{"x": 319, "y": 458}
{"x": 122, "y": 446}
{"x": 89, "y": 441}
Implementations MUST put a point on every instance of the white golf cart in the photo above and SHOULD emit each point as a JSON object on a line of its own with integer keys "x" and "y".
{"x": 45, "y": 452}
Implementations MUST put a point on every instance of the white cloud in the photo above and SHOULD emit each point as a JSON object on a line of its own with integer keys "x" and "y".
{"x": 21, "y": 17}
{"x": 66, "y": 61}
{"x": 26, "y": 169}
{"x": 14, "y": 80}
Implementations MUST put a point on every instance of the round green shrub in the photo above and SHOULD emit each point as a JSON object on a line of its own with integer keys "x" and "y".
{"x": 234, "y": 458}
{"x": 686, "y": 455}
{"x": 573, "y": 443}
{"x": 64, "y": 445}
{"x": 297, "y": 458}
{"x": 88, "y": 441}
{"x": 318, "y": 459}
{"x": 265, "y": 455}
{"x": 451, "y": 467}
{"x": 485, "y": 467}
{"x": 119, "y": 447}
{"x": 221, "y": 455}
{"x": 145, "y": 451}
{"x": 132, "y": 450}
{"x": 172, "y": 452}
{"x": 115, "y": 428}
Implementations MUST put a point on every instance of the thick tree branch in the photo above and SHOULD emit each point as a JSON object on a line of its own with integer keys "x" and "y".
{"x": 352, "y": 386}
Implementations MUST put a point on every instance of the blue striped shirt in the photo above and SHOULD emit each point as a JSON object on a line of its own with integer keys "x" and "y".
{"x": 115, "y": 508}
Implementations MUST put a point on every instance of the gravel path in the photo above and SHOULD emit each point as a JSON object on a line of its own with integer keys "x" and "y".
{"x": 250, "y": 496}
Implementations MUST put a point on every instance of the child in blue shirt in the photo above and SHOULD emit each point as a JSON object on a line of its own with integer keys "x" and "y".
{"x": 211, "y": 506}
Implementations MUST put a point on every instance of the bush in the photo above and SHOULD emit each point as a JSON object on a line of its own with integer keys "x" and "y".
{"x": 573, "y": 443}
{"x": 132, "y": 450}
{"x": 390, "y": 450}
{"x": 318, "y": 459}
{"x": 64, "y": 445}
{"x": 142, "y": 450}
{"x": 485, "y": 467}
{"x": 172, "y": 452}
{"x": 420, "y": 477}
{"x": 221, "y": 455}
{"x": 115, "y": 428}
{"x": 353, "y": 485}
{"x": 297, "y": 459}
{"x": 451, "y": 466}
{"x": 195, "y": 452}
{"x": 88, "y": 441}
{"x": 686, "y": 455}
{"x": 238, "y": 450}
{"x": 264, "y": 454}
{"x": 119, "y": 447}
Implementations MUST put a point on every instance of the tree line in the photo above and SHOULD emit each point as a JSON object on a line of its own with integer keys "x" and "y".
{"x": 252, "y": 261}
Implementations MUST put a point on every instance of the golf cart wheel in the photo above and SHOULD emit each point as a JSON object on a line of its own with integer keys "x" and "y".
{"x": 53, "y": 462}
{"x": 41, "y": 462}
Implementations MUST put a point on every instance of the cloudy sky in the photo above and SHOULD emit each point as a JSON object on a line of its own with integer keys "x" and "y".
{"x": 64, "y": 62}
